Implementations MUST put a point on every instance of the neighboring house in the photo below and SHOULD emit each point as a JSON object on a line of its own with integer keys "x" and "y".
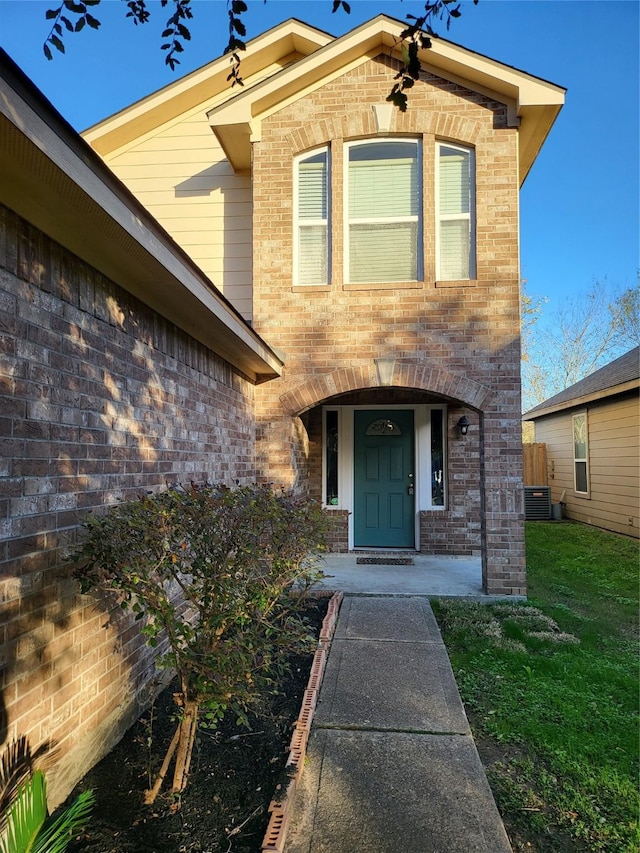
{"x": 592, "y": 434}
{"x": 376, "y": 250}
{"x": 122, "y": 369}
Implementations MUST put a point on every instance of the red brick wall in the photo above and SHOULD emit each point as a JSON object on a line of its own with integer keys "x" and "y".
{"x": 458, "y": 340}
{"x": 100, "y": 399}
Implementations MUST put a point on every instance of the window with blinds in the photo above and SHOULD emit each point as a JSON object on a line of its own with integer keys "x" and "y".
{"x": 455, "y": 217}
{"x": 383, "y": 204}
{"x": 311, "y": 260}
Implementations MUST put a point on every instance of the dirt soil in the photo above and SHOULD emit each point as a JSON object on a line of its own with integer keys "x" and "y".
{"x": 235, "y": 772}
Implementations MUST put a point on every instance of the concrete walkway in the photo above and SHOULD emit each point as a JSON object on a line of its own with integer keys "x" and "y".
{"x": 391, "y": 764}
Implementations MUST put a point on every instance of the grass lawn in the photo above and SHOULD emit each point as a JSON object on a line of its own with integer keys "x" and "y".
{"x": 551, "y": 688}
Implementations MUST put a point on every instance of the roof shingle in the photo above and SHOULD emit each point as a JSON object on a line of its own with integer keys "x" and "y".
{"x": 619, "y": 372}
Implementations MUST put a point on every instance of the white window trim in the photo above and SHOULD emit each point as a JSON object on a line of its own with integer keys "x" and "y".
{"x": 578, "y": 458}
{"x": 422, "y": 428}
{"x": 470, "y": 217}
{"x": 419, "y": 218}
{"x": 296, "y": 220}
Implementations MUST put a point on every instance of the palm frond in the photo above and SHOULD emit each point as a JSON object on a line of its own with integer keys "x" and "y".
{"x": 16, "y": 766}
{"x": 55, "y": 836}
{"x": 26, "y": 816}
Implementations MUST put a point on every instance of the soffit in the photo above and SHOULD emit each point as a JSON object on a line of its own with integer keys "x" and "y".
{"x": 533, "y": 103}
{"x": 52, "y": 179}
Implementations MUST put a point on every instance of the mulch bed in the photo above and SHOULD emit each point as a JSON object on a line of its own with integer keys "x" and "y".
{"x": 235, "y": 772}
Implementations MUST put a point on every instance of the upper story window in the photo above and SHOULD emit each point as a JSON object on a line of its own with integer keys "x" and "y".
{"x": 383, "y": 211}
{"x": 383, "y": 220}
{"x": 455, "y": 213}
{"x": 311, "y": 260}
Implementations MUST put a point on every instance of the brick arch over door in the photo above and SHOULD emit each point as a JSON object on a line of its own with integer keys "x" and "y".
{"x": 407, "y": 373}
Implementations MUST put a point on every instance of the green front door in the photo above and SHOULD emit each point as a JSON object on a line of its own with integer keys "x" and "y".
{"x": 384, "y": 479}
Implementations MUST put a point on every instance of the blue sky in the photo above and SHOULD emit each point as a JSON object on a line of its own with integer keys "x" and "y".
{"x": 580, "y": 203}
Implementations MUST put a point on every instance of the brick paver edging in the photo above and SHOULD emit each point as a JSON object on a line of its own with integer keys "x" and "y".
{"x": 280, "y": 808}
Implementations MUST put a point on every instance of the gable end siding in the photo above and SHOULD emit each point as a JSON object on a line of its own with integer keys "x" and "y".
{"x": 180, "y": 174}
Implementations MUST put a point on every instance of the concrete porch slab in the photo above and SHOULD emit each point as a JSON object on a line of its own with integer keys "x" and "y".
{"x": 429, "y": 576}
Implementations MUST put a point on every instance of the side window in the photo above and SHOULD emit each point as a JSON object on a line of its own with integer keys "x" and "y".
{"x": 455, "y": 224}
{"x": 311, "y": 211}
{"x": 331, "y": 494}
{"x": 437, "y": 457}
{"x": 383, "y": 212}
{"x": 580, "y": 453}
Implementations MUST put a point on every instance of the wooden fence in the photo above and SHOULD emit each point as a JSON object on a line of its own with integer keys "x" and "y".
{"x": 535, "y": 465}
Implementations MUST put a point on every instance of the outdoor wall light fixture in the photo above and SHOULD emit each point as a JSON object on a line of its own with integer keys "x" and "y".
{"x": 463, "y": 425}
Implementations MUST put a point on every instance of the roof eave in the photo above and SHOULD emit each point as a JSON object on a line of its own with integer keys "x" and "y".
{"x": 204, "y": 84}
{"x": 43, "y": 160}
{"x": 583, "y": 400}
{"x": 533, "y": 103}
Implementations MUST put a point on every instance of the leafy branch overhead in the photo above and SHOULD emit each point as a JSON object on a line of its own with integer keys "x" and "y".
{"x": 62, "y": 17}
{"x": 71, "y": 16}
{"x": 417, "y": 36}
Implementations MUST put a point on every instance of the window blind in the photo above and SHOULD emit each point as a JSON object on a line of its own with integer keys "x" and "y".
{"x": 454, "y": 249}
{"x": 312, "y": 189}
{"x": 385, "y": 252}
{"x": 312, "y": 215}
{"x": 383, "y": 212}
{"x": 454, "y": 211}
{"x": 312, "y": 254}
{"x": 455, "y": 181}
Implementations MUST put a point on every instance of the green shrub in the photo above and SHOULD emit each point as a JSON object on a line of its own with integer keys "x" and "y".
{"x": 215, "y": 576}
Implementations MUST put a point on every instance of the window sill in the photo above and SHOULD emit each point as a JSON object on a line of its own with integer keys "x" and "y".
{"x": 385, "y": 285}
{"x": 462, "y": 282}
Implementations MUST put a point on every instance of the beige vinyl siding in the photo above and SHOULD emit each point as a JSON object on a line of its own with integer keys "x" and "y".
{"x": 180, "y": 174}
{"x": 614, "y": 463}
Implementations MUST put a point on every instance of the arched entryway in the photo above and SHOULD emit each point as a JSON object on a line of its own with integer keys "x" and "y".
{"x": 387, "y": 460}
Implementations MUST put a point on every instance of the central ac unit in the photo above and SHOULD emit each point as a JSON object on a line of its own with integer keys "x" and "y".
{"x": 537, "y": 503}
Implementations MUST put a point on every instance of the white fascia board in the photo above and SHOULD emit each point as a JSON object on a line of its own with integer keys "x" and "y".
{"x": 579, "y": 402}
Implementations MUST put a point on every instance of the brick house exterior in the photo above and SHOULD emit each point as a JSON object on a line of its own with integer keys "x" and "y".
{"x": 452, "y": 344}
{"x": 441, "y": 342}
{"x": 443, "y": 346}
{"x": 102, "y": 398}
{"x": 440, "y": 346}
{"x": 124, "y": 367}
